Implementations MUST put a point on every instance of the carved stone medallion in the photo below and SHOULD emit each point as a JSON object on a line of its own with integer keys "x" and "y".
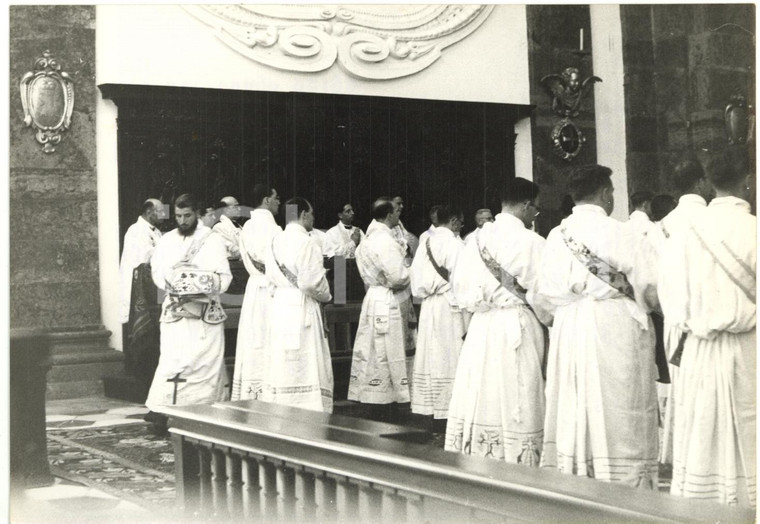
{"x": 376, "y": 42}
{"x": 47, "y": 96}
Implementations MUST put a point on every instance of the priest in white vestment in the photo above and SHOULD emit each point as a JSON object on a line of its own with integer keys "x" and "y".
{"x": 640, "y": 221}
{"x": 190, "y": 264}
{"x": 226, "y": 227}
{"x": 442, "y": 322}
{"x": 342, "y": 239}
{"x": 378, "y": 367}
{"x": 434, "y": 223}
{"x": 711, "y": 298}
{"x": 298, "y": 366}
{"x": 139, "y": 242}
{"x": 601, "y": 412}
{"x": 690, "y": 180}
{"x": 497, "y": 406}
{"x": 481, "y": 217}
{"x": 255, "y": 240}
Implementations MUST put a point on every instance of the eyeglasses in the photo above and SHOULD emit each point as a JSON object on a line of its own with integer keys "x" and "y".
{"x": 533, "y": 204}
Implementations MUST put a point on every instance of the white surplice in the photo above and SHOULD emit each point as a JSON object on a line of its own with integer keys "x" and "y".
{"x": 338, "y": 241}
{"x": 139, "y": 242}
{"x": 299, "y": 369}
{"x": 190, "y": 347}
{"x": 711, "y": 297}
{"x": 255, "y": 240}
{"x": 676, "y": 223}
{"x": 497, "y": 406}
{"x": 442, "y": 324}
{"x": 230, "y": 233}
{"x": 601, "y": 412}
{"x": 378, "y": 366}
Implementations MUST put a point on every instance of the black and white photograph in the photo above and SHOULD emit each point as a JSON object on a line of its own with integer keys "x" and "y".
{"x": 381, "y": 263}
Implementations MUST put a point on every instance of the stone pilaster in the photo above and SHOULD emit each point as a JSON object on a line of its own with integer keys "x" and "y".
{"x": 53, "y": 205}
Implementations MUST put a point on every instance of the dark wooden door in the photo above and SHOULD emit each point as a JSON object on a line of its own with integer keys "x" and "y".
{"x": 330, "y": 149}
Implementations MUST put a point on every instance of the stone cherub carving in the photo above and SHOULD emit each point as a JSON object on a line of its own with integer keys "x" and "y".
{"x": 567, "y": 90}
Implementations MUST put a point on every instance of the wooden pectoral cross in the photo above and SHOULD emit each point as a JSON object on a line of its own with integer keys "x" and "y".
{"x": 176, "y": 381}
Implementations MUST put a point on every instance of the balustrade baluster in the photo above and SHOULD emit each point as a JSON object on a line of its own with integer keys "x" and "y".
{"x": 268, "y": 493}
{"x": 305, "y": 495}
{"x": 251, "y": 487}
{"x": 234, "y": 484}
{"x": 414, "y": 508}
{"x": 392, "y": 505}
{"x": 186, "y": 469}
{"x": 218, "y": 482}
{"x": 325, "y": 496}
{"x": 286, "y": 492}
{"x": 347, "y": 499}
{"x": 369, "y": 502}
{"x": 205, "y": 499}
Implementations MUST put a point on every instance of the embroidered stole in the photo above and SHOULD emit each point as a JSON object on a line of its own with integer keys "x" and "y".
{"x": 598, "y": 267}
{"x": 440, "y": 270}
{"x": 504, "y": 277}
{"x": 288, "y": 274}
{"x": 260, "y": 266}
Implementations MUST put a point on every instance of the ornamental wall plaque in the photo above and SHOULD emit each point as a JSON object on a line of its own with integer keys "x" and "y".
{"x": 567, "y": 91}
{"x": 567, "y": 139}
{"x": 375, "y": 42}
{"x": 738, "y": 120}
{"x": 47, "y": 95}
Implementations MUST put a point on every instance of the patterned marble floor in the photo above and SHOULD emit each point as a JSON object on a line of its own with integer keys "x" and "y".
{"x": 68, "y": 502}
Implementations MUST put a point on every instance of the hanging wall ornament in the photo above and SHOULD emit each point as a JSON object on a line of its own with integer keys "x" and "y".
{"x": 567, "y": 92}
{"x": 738, "y": 120}
{"x": 47, "y": 96}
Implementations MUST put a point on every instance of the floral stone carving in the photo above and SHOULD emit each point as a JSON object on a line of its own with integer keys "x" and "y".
{"x": 375, "y": 42}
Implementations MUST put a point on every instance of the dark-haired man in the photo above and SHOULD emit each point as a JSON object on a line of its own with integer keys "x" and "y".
{"x": 690, "y": 181}
{"x": 598, "y": 278}
{"x": 710, "y": 295}
{"x": 190, "y": 264}
{"x": 139, "y": 242}
{"x": 497, "y": 407}
{"x": 342, "y": 239}
{"x": 482, "y": 216}
{"x": 299, "y": 369}
{"x": 442, "y": 322}
{"x": 255, "y": 240}
{"x": 640, "y": 220}
{"x": 378, "y": 368}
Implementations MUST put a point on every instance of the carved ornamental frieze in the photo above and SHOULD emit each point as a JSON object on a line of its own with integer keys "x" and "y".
{"x": 374, "y": 42}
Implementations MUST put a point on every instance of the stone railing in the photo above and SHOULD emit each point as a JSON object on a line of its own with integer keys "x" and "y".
{"x": 255, "y": 461}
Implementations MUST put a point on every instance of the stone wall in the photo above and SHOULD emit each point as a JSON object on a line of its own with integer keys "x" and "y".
{"x": 683, "y": 63}
{"x": 553, "y": 45}
{"x": 53, "y": 219}
{"x": 53, "y": 206}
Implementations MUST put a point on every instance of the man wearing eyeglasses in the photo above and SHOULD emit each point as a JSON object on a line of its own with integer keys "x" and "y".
{"x": 497, "y": 405}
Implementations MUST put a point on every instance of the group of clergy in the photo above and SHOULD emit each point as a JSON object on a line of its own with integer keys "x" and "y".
{"x": 529, "y": 350}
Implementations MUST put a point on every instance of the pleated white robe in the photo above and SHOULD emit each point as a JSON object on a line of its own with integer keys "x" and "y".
{"x": 601, "y": 413}
{"x": 255, "y": 241}
{"x": 190, "y": 347}
{"x": 497, "y": 405}
{"x": 442, "y": 324}
{"x": 676, "y": 223}
{"x": 378, "y": 366}
{"x": 712, "y": 298}
{"x": 298, "y": 366}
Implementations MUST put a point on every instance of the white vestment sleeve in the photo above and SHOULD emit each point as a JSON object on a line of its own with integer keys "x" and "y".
{"x": 311, "y": 272}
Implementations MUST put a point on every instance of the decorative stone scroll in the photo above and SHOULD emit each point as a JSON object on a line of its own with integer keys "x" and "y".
{"x": 374, "y": 42}
{"x": 47, "y": 96}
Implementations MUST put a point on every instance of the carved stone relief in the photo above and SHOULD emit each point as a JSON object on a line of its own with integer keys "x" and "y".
{"x": 374, "y": 42}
